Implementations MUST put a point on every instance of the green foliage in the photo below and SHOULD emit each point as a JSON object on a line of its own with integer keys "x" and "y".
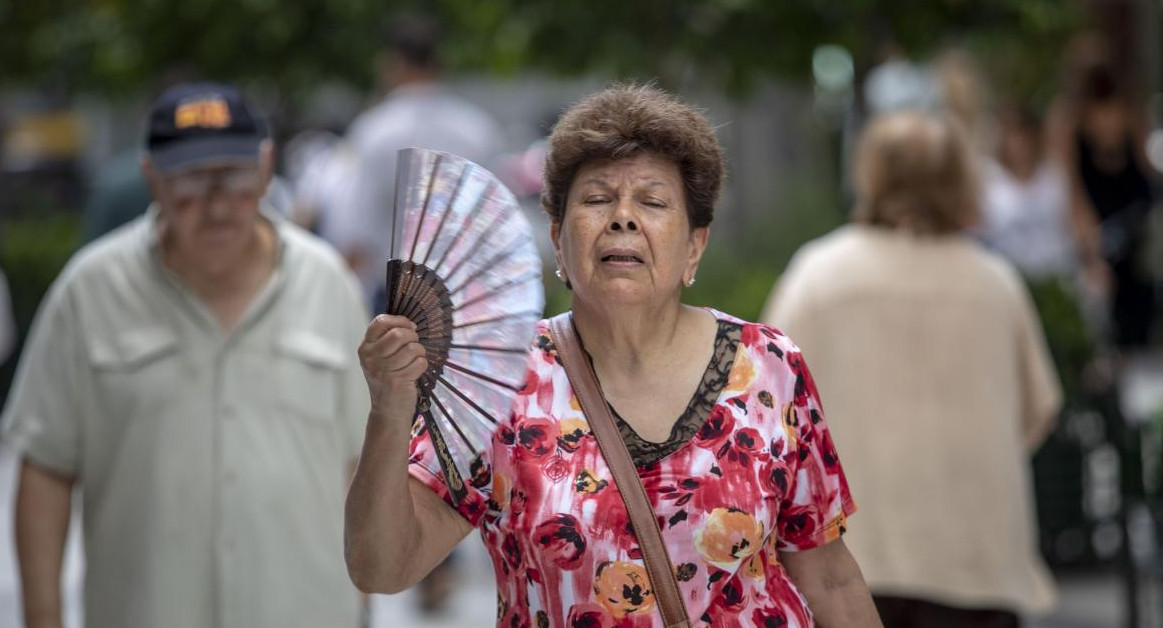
{"x": 114, "y": 46}
{"x": 731, "y": 43}
{"x": 556, "y": 296}
{"x": 741, "y": 267}
{"x": 733, "y": 284}
{"x": 33, "y": 250}
{"x": 1067, "y": 334}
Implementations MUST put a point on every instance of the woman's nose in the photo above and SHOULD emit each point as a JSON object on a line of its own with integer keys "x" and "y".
{"x": 623, "y": 218}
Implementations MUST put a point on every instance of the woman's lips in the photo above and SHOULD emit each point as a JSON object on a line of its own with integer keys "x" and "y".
{"x": 621, "y": 262}
{"x": 621, "y": 257}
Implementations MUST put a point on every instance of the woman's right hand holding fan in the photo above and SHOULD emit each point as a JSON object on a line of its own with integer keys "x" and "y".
{"x": 396, "y": 530}
{"x": 392, "y": 359}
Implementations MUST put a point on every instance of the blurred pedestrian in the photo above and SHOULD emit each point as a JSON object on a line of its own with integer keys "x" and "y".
{"x": 1026, "y": 203}
{"x": 937, "y": 380}
{"x": 1101, "y": 134}
{"x": 421, "y": 111}
{"x": 192, "y": 375}
{"x": 321, "y": 167}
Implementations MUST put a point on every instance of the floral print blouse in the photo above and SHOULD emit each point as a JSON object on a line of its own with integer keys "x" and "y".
{"x": 759, "y": 476}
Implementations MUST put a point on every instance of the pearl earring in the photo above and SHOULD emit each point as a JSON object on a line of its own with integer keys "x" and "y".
{"x": 559, "y": 274}
{"x": 690, "y": 282}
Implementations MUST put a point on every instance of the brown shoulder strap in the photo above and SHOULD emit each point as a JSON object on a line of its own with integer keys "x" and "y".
{"x": 593, "y": 404}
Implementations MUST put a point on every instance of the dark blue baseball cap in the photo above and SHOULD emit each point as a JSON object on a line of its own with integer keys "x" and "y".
{"x": 203, "y": 124}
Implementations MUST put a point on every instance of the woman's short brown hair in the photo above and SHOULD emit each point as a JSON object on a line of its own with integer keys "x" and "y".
{"x": 624, "y": 120}
{"x": 914, "y": 172}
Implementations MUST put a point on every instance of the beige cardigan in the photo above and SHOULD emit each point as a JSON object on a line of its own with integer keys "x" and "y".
{"x": 936, "y": 382}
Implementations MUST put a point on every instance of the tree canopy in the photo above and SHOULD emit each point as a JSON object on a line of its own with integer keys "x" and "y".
{"x": 110, "y": 46}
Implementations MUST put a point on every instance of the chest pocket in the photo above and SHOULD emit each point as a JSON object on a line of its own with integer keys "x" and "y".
{"x": 309, "y": 368}
{"x": 134, "y": 371}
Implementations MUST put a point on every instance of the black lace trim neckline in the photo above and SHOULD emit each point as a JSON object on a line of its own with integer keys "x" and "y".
{"x": 646, "y": 452}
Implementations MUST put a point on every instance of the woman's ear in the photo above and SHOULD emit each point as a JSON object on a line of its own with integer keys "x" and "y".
{"x": 698, "y": 245}
{"x": 555, "y": 234}
{"x": 555, "y": 238}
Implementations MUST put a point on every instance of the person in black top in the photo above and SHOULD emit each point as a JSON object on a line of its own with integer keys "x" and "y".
{"x": 1115, "y": 189}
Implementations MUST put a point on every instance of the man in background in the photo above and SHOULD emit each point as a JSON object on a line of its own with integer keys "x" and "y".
{"x": 419, "y": 111}
{"x": 193, "y": 375}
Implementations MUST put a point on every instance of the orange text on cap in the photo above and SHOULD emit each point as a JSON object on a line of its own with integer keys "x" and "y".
{"x": 211, "y": 113}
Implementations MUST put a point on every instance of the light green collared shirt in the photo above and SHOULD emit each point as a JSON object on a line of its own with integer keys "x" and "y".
{"x": 212, "y": 466}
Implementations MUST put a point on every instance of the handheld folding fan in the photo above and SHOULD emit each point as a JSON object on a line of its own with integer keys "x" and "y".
{"x": 465, "y": 269}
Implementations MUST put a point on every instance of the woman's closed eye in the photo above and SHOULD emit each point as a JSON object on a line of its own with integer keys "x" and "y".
{"x": 596, "y": 200}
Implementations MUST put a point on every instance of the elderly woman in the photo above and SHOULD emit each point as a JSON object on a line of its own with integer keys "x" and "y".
{"x": 938, "y": 384}
{"x": 719, "y": 415}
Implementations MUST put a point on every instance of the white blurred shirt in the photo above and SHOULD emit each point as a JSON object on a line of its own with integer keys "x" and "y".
{"x": 1028, "y": 222}
{"x": 421, "y": 115}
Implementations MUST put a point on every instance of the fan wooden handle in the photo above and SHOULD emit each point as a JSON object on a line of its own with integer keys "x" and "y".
{"x": 455, "y": 483}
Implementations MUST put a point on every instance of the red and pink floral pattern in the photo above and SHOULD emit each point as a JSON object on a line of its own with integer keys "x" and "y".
{"x": 760, "y": 477}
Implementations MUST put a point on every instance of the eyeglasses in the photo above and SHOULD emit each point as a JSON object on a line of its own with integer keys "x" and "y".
{"x": 196, "y": 187}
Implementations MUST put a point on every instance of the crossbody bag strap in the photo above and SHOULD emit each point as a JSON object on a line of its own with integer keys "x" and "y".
{"x": 593, "y": 404}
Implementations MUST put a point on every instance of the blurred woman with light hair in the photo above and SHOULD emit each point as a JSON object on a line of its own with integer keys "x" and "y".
{"x": 938, "y": 381}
